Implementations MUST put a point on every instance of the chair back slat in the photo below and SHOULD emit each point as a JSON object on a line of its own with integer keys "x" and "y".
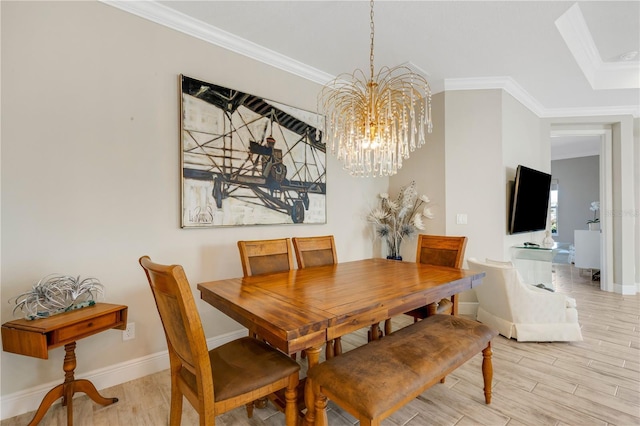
{"x": 440, "y": 250}
{"x": 315, "y": 251}
{"x": 265, "y": 256}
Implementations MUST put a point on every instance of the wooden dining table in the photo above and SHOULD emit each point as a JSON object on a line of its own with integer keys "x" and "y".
{"x": 303, "y": 309}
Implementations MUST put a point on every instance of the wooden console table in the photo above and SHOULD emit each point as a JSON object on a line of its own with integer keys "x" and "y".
{"x": 35, "y": 338}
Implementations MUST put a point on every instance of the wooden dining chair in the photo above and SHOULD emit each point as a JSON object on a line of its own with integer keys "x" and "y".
{"x": 265, "y": 256}
{"x": 218, "y": 380}
{"x": 318, "y": 251}
{"x": 440, "y": 250}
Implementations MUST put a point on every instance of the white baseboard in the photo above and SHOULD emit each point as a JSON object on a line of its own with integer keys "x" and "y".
{"x": 29, "y": 399}
{"x": 468, "y": 308}
{"x": 627, "y": 290}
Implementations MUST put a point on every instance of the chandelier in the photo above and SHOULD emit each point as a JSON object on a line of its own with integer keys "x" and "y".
{"x": 373, "y": 123}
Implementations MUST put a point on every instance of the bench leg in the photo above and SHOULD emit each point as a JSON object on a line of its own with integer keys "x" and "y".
{"x": 487, "y": 372}
{"x": 291, "y": 405}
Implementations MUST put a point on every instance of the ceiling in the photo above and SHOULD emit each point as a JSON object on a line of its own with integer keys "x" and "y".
{"x": 558, "y": 58}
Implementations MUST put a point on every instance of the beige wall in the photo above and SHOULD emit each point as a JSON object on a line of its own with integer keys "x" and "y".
{"x": 90, "y": 169}
{"x": 427, "y": 167}
{"x": 488, "y": 133}
{"x": 523, "y": 143}
{"x": 474, "y": 173}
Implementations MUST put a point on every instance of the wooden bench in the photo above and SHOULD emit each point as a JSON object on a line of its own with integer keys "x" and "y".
{"x": 374, "y": 380}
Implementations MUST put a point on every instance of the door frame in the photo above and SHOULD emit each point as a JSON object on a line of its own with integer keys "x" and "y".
{"x": 605, "y": 194}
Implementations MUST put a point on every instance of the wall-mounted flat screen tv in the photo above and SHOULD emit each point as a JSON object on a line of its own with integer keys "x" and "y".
{"x": 529, "y": 201}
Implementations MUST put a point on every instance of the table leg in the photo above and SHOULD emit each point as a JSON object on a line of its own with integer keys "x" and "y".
{"x": 68, "y": 388}
{"x": 329, "y": 350}
{"x": 337, "y": 347}
{"x": 313, "y": 357}
{"x": 387, "y": 327}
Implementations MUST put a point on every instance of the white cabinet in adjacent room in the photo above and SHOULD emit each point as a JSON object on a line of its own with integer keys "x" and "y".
{"x": 587, "y": 249}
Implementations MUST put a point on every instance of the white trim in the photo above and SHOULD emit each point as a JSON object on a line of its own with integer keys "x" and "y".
{"x": 633, "y": 110}
{"x": 605, "y": 194}
{"x": 507, "y": 84}
{"x": 29, "y": 399}
{"x": 170, "y": 18}
{"x": 606, "y": 204}
{"x": 468, "y": 308}
{"x": 160, "y": 14}
{"x": 626, "y": 290}
{"x": 601, "y": 75}
{"x": 510, "y": 86}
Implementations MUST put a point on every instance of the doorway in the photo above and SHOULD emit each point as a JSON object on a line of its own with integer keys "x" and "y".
{"x": 589, "y": 141}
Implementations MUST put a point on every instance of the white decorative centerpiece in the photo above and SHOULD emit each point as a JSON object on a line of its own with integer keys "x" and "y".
{"x": 55, "y": 294}
{"x": 548, "y": 242}
{"x": 395, "y": 220}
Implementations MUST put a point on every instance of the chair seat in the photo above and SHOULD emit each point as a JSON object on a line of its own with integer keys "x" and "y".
{"x": 243, "y": 365}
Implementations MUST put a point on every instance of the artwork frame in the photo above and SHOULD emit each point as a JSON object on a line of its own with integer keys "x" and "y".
{"x": 246, "y": 160}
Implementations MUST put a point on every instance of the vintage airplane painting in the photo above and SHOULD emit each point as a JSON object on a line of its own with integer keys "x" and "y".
{"x": 247, "y": 160}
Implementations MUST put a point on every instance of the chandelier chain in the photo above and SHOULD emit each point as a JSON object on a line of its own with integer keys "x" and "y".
{"x": 372, "y": 26}
{"x": 372, "y": 123}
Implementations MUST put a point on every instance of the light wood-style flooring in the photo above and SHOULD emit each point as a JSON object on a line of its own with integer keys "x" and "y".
{"x": 594, "y": 382}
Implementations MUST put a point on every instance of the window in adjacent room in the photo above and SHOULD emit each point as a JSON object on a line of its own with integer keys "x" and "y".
{"x": 553, "y": 207}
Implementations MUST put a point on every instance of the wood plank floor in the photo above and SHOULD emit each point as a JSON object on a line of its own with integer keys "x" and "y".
{"x": 594, "y": 382}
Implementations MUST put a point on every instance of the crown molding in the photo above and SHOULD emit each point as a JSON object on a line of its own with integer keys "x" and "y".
{"x": 160, "y": 14}
{"x": 633, "y": 110}
{"x": 601, "y": 75}
{"x": 510, "y": 86}
{"x": 507, "y": 84}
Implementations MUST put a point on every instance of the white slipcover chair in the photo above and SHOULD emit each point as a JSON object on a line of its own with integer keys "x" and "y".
{"x": 521, "y": 311}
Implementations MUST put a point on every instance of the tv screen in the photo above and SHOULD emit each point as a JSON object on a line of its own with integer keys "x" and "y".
{"x": 529, "y": 201}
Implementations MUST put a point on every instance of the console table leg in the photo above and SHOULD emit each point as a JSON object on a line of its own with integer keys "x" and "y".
{"x": 87, "y": 387}
{"x": 67, "y": 389}
{"x": 69, "y": 367}
{"x": 52, "y": 396}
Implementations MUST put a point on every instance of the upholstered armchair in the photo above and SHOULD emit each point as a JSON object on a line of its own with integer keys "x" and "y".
{"x": 522, "y": 311}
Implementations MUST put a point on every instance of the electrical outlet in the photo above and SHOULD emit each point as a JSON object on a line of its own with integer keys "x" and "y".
{"x": 130, "y": 332}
